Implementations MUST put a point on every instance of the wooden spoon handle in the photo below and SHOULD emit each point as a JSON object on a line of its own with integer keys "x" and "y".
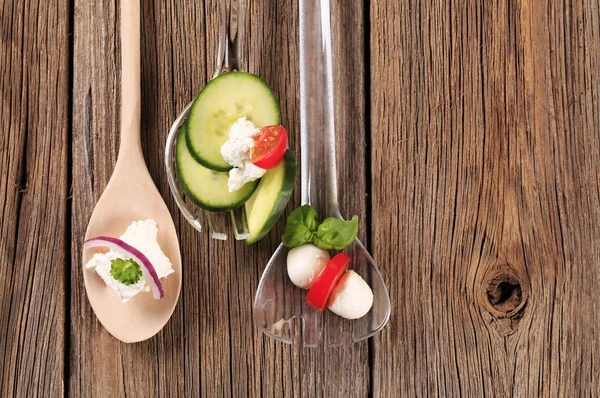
{"x": 130, "y": 77}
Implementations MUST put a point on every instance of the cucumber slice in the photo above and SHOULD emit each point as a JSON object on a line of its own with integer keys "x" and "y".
{"x": 267, "y": 204}
{"x": 205, "y": 187}
{"x": 220, "y": 104}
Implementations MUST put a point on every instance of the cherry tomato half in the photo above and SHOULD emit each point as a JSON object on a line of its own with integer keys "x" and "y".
{"x": 323, "y": 286}
{"x": 269, "y": 147}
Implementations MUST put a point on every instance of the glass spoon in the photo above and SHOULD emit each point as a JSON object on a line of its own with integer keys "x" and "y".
{"x": 278, "y": 301}
{"x": 229, "y": 58}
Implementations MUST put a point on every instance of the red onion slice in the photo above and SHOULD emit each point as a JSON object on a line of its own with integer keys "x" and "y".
{"x": 148, "y": 271}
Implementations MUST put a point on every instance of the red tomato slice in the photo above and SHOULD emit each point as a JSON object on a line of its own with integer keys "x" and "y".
{"x": 323, "y": 286}
{"x": 269, "y": 147}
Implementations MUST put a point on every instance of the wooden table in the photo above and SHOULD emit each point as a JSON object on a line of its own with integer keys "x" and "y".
{"x": 471, "y": 149}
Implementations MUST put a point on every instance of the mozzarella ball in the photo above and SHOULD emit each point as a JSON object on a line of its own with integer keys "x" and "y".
{"x": 351, "y": 298}
{"x": 305, "y": 263}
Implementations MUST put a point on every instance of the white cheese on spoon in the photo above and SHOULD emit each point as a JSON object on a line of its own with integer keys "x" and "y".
{"x": 143, "y": 236}
{"x": 237, "y": 151}
{"x": 305, "y": 263}
{"x": 352, "y": 297}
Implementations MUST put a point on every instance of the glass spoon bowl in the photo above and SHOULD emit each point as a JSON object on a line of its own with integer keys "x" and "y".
{"x": 278, "y": 302}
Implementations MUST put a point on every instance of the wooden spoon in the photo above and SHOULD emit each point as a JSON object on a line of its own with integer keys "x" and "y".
{"x": 131, "y": 196}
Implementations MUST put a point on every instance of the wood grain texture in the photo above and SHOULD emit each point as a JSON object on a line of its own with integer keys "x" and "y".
{"x": 34, "y": 80}
{"x": 474, "y": 137}
{"x": 486, "y": 197}
{"x": 211, "y": 346}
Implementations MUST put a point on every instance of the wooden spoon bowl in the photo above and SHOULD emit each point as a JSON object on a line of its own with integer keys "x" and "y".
{"x": 132, "y": 196}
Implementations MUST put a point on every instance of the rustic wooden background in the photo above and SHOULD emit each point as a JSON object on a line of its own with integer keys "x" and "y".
{"x": 471, "y": 140}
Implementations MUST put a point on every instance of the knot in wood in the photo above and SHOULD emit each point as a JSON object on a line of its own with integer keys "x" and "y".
{"x": 504, "y": 292}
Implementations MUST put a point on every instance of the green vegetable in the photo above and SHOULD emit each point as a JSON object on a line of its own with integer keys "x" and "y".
{"x": 336, "y": 234}
{"x": 268, "y": 202}
{"x": 125, "y": 271}
{"x": 301, "y": 224}
{"x": 220, "y": 103}
{"x": 303, "y": 227}
{"x": 205, "y": 187}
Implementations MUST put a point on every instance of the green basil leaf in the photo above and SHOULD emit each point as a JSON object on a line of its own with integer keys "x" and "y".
{"x": 336, "y": 234}
{"x": 302, "y": 223}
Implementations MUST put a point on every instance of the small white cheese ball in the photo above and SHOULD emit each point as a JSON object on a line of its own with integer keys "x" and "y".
{"x": 351, "y": 298}
{"x": 305, "y": 263}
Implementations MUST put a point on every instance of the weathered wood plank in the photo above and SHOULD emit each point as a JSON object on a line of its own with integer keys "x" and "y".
{"x": 34, "y": 150}
{"x": 486, "y": 196}
{"x": 211, "y": 346}
{"x": 484, "y": 154}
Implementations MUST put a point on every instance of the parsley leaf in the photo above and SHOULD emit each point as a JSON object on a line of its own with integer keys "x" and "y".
{"x": 125, "y": 271}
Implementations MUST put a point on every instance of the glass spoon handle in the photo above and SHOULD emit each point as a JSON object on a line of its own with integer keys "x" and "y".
{"x": 317, "y": 120}
{"x": 231, "y": 51}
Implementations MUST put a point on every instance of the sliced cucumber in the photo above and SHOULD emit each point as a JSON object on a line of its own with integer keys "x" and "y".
{"x": 223, "y": 101}
{"x": 268, "y": 202}
{"x": 205, "y": 187}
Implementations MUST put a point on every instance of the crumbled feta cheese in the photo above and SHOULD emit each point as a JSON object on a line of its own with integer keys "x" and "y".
{"x": 238, "y": 176}
{"x": 243, "y": 128}
{"x": 237, "y": 151}
{"x": 253, "y": 171}
{"x": 142, "y": 236}
{"x": 241, "y": 141}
